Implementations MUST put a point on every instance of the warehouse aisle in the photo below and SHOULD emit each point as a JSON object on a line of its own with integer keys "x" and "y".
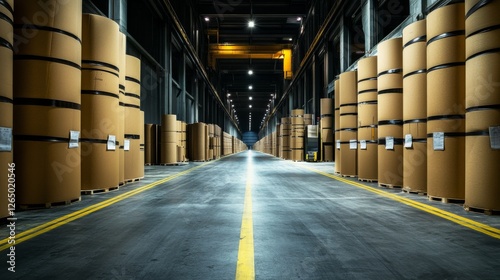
{"x": 305, "y": 226}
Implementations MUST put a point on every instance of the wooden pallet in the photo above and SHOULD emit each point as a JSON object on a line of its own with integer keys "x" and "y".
{"x": 446, "y": 200}
{"x": 368, "y": 180}
{"x": 389, "y": 186}
{"x": 122, "y": 183}
{"x": 48, "y": 204}
{"x": 349, "y": 176}
{"x": 417, "y": 192}
{"x": 92, "y": 192}
{"x": 133, "y": 180}
{"x": 488, "y": 212}
{"x": 174, "y": 164}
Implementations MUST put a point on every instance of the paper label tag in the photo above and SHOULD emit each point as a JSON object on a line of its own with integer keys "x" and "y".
{"x": 408, "y": 141}
{"x": 126, "y": 145}
{"x": 111, "y": 146}
{"x": 353, "y": 144}
{"x": 438, "y": 141}
{"x": 362, "y": 145}
{"x": 495, "y": 137}
{"x": 74, "y": 136}
{"x": 389, "y": 143}
{"x": 338, "y": 144}
{"x": 5, "y": 139}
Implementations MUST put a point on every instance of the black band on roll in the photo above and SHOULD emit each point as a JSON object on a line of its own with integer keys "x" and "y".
{"x": 47, "y": 103}
{"x": 6, "y": 18}
{"x": 4, "y": 99}
{"x": 348, "y": 129}
{"x": 492, "y": 51}
{"x": 49, "y": 29}
{"x": 127, "y": 78}
{"x": 349, "y": 104}
{"x": 326, "y": 115}
{"x": 103, "y": 93}
{"x": 48, "y": 59}
{"x": 422, "y": 38}
{"x": 368, "y": 126}
{"x": 132, "y": 136}
{"x": 478, "y": 133}
{"x": 484, "y": 30}
{"x": 418, "y": 140}
{"x": 446, "y": 117}
{"x": 416, "y": 121}
{"x": 132, "y": 106}
{"x": 367, "y": 90}
{"x": 7, "y": 6}
{"x": 121, "y": 104}
{"x": 367, "y": 79}
{"x": 337, "y": 109}
{"x": 449, "y": 134}
{"x": 132, "y": 95}
{"x": 368, "y": 103}
{"x": 397, "y": 141}
{"x": 95, "y": 69}
{"x": 102, "y": 64}
{"x": 122, "y": 87}
{"x": 369, "y": 141}
{"x": 446, "y": 35}
{"x": 482, "y": 108}
{"x": 93, "y": 141}
{"x": 476, "y": 7}
{"x": 390, "y": 71}
{"x": 38, "y": 138}
{"x": 349, "y": 114}
{"x": 447, "y": 65}
{"x": 391, "y": 90}
{"x": 391, "y": 122}
{"x": 421, "y": 71}
{"x": 4, "y": 43}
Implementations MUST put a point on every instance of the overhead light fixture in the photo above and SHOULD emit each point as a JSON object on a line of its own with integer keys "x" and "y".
{"x": 249, "y": 106}
{"x": 207, "y": 19}
{"x": 230, "y": 100}
{"x": 228, "y": 94}
{"x": 251, "y": 23}
{"x": 250, "y": 87}
{"x": 299, "y": 18}
{"x": 232, "y": 105}
{"x": 250, "y": 72}
{"x": 250, "y": 98}
{"x": 290, "y": 39}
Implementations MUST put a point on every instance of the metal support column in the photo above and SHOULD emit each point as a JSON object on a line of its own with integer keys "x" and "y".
{"x": 118, "y": 13}
{"x": 370, "y": 24}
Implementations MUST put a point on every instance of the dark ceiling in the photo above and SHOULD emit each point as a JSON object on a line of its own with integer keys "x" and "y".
{"x": 277, "y": 26}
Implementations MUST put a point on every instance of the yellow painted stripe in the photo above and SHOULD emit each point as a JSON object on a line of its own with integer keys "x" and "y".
{"x": 245, "y": 268}
{"x": 477, "y": 226}
{"x": 33, "y": 232}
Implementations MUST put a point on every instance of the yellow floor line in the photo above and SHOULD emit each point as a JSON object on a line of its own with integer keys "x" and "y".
{"x": 33, "y": 232}
{"x": 480, "y": 227}
{"x": 245, "y": 268}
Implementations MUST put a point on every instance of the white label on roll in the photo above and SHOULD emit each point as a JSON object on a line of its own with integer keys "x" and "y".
{"x": 353, "y": 144}
{"x": 495, "y": 137}
{"x": 362, "y": 144}
{"x": 438, "y": 141}
{"x": 73, "y": 139}
{"x": 408, "y": 141}
{"x": 389, "y": 143}
{"x": 126, "y": 145}
{"x": 111, "y": 143}
{"x": 5, "y": 139}
{"x": 338, "y": 144}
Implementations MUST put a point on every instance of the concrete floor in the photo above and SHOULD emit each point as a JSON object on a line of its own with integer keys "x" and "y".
{"x": 305, "y": 226}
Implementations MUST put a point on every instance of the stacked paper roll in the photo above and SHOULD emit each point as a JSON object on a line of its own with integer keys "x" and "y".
{"x": 348, "y": 123}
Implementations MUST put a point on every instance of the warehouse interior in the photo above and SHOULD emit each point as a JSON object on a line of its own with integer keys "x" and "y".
{"x": 250, "y": 139}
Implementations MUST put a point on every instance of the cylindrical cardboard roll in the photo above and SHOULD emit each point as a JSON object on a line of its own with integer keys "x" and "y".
{"x": 348, "y": 88}
{"x": 348, "y": 121}
{"x": 448, "y": 125}
{"x": 348, "y": 159}
{"x": 390, "y": 55}
{"x": 482, "y": 76}
{"x": 336, "y": 100}
{"x": 479, "y": 120}
{"x": 390, "y": 130}
{"x": 6, "y": 26}
{"x": 390, "y": 166}
{"x": 46, "y": 172}
{"x": 6, "y": 73}
{"x": 286, "y": 120}
{"x": 199, "y": 140}
{"x": 336, "y": 123}
{"x": 482, "y": 42}
{"x": 390, "y": 84}
{"x": 368, "y": 133}
{"x": 327, "y": 135}
{"x": 297, "y": 154}
{"x": 6, "y": 114}
{"x": 446, "y": 91}
{"x": 415, "y": 97}
{"x": 418, "y": 130}
{"x": 367, "y": 114}
{"x": 481, "y": 178}
{"x": 338, "y": 163}
{"x": 169, "y": 123}
{"x": 348, "y": 109}
{"x": 415, "y": 57}
{"x": 326, "y": 123}
{"x": 347, "y": 135}
{"x": 297, "y": 113}
{"x": 445, "y": 169}
{"x": 43, "y": 119}
{"x": 99, "y": 166}
{"x": 99, "y": 116}
{"x": 328, "y": 151}
{"x": 367, "y": 68}
{"x": 297, "y": 120}
{"x": 101, "y": 42}
{"x": 132, "y": 120}
{"x": 132, "y": 160}
{"x": 368, "y": 162}
{"x": 326, "y": 106}
{"x": 100, "y": 82}
{"x": 308, "y": 119}
{"x": 482, "y": 18}
{"x": 150, "y": 144}
{"x": 122, "y": 59}
{"x": 415, "y": 168}
{"x": 446, "y": 51}
{"x": 445, "y": 19}
{"x": 367, "y": 91}
{"x": 133, "y": 75}
{"x": 389, "y": 107}
{"x": 297, "y": 143}
{"x": 414, "y": 33}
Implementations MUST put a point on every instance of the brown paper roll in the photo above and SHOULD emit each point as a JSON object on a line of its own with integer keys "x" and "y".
{"x": 348, "y": 88}
{"x": 367, "y": 114}
{"x": 336, "y": 124}
{"x": 40, "y": 120}
{"x": 6, "y": 77}
{"x": 348, "y": 159}
{"x": 414, "y": 30}
{"x": 390, "y": 55}
{"x": 150, "y": 144}
{"x": 445, "y": 19}
{"x": 390, "y": 81}
{"x": 338, "y": 163}
{"x": 414, "y": 51}
{"x": 347, "y": 135}
{"x": 101, "y": 40}
{"x": 169, "y": 123}
{"x": 6, "y": 114}
{"x": 446, "y": 51}
{"x": 481, "y": 178}
{"x": 367, "y": 91}
{"x": 482, "y": 77}
{"x": 328, "y": 151}
{"x": 390, "y": 166}
{"x": 367, "y": 68}
{"x": 446, "y": 169}
{"x": 6, "y": 28}
{"x": 391, "y": 130}
{"x": 297, "y": 120}
{"x": 484, "y": 17}
{"x": 348, "y": 121}
{"x": 327, "y": 135}
{"x": 326, "y": 123}
{"x": 446, "y": 91}
{"x": 297, "y": 143}
{"x": 417, "y": 130}
{"x": 122, "y": 60}
{"x": 482, "y": 42}
{"x": 415, "y": 168}
{"x": 368, "y": 133}
{"x": 367, "y": 162}
{"x": 336, "y": 100}
{"x": 326, "y": 106}
{"x": 99, "y": 167}
{"x": 415, "y": 97}
{"x": 482, "y": 119}
{"x": 348, "y": 109}
{"x": 297, "y": 154}
{"x": 389, "y": 106}
{"x": 99, "y": 116}
{"x": 298, "y": 112}
{"x": 446, "y": 125}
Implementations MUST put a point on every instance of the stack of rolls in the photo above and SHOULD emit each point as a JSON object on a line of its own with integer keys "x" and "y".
{"x": 348, "y": 123}
{"x": 326, "y": 127}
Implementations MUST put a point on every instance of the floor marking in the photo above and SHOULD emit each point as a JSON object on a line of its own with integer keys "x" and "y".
{"x": 477, "y": 226}
{"x": 245, "y": 268}
{"x": 46, "y": 227}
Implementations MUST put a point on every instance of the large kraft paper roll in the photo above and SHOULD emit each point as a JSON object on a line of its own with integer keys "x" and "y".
{"x": 326, "y": 106}
{"x": 415, "y": 158}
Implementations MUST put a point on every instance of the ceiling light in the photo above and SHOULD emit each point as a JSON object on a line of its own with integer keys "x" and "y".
{"x": 230, "y": 100}
{"x": 250, "y": 72}
{"x": 251, "y": 23}
{"x": 299, "y": 18}
{"x": 290, "y": 39}
{"x": 249, "y": 106}
{"x": 207, "y": 19}
{"x": 250, "y": 98}
{"x": 228, "y": 94}
{"x": 232, "y": 105}
{"x": 250, "y": 87}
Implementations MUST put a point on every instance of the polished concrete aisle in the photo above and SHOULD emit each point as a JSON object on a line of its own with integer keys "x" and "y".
{"x": 305, "y": 226}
